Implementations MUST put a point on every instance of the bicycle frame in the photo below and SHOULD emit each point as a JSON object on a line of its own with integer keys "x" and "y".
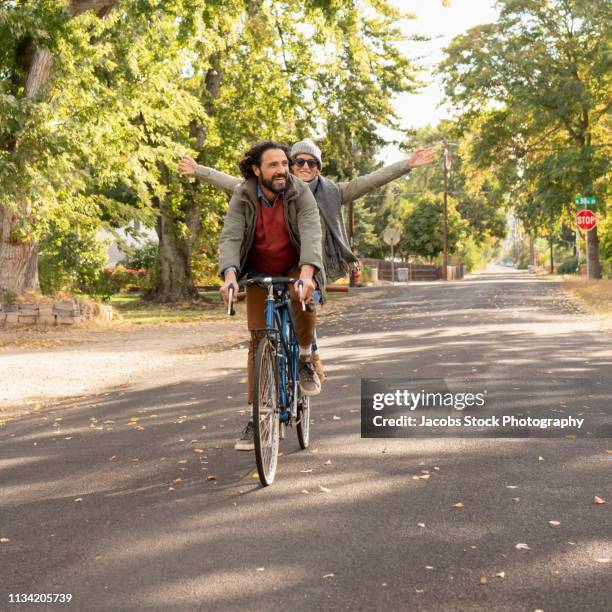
{"x": 280, "y": 326}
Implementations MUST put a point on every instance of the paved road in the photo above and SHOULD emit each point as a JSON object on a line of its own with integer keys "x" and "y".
{"x": 91, "y": 504}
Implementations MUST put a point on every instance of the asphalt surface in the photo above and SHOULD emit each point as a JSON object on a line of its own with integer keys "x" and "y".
{"x": 91, "y": 503}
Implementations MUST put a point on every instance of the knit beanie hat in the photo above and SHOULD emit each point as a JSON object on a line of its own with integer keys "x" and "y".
{"x": 309, "y": 147}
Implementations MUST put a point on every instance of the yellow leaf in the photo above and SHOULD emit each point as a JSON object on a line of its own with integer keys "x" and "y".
{"x": 457, "y": 505}
{"x": 198, "y": 450}
{"x": 554, "y": 523}
{"x": 182, "y": 461}
{"x": 421, "y": 525}
{"x": 484, "y": 580}
{"x": 500, "y": 574}
{"x": 211, "y": 477}
{"x": 598, "y": 500}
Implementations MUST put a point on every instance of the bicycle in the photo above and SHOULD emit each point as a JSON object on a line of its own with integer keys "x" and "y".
{"x": 278, "y": 401}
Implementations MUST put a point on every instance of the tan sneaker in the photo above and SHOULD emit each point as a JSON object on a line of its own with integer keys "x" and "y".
{"x": 309, "y": 381}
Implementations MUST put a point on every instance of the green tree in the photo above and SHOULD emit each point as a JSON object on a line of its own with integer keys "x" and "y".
{"x": 534, "y": 89}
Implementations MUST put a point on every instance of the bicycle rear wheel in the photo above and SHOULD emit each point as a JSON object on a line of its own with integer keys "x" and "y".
{"x": 303, "y": 421}
{"x": 266, "y": 422}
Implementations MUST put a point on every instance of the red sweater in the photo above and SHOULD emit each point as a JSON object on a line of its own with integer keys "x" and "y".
{"x": 272, "y": 251}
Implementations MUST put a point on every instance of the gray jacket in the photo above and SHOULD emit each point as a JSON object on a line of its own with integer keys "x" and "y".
{"x": 338, "y": 258}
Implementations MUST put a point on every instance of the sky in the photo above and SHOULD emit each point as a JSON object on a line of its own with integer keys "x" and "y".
{"x": 442, "y": 25}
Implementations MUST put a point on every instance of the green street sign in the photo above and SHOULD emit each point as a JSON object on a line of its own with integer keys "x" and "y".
{"x": 587, "y": 200}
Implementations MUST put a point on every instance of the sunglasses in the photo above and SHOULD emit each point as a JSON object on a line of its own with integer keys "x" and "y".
{"x": 300, "y": 161}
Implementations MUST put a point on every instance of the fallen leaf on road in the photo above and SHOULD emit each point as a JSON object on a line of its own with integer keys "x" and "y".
{"x": 329, "y": 575}
{"x": 421, "y": 525}
{"x": 305, "y": 471}
{"x": 4, "y": 540}
{"x": 336, "y": 418}
{"x": 305, "y": 491}
{"x": 598, "y": 500}
{"x": 315, "y": 450}
{"x": 516, "y": 499}
{"x": 261, "y": 569}
{"x": 419, "y": 590}
{"x": 177, "y": 481}
{"x": 78, "y": 499}
{"x": 136, "y": 459}
{"x": 429, "y": 567}
{"x": 602, "y": 560}
{"x": 457, "y": 505}
{"x": 328, "y": 462}
{"x": 554, "y": 523}
{"x": 113, "y": 458}
{"x": 609, "y": 452}
{"x": 540, "y": 458}
{"x": 484, "y": 580}
{"x": 204, "y": 428}
{"x": 522, "y": 546}
{"x": 500, "y": 574}
{"x": 254, "y": 475}
{"x": 182, "y": 461}
{"x": 570, "y": 437}
{"x": 421, "y": 477}
{"x": 219, "y": 446}
{"x": 170, "y": 488}
{"x": 198, "y": 450}
{"x": 511, "y": 487}
{"x": 211, "y": 477}
{"x": 324, "y": 489}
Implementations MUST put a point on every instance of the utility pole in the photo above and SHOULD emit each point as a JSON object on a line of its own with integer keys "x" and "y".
{"x": 447, "y": 163}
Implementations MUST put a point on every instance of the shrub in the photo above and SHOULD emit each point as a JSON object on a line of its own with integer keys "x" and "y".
{"x": 70, "y": 259}
{"x": 142, "y": 257}
{"x": 523, "y": 261}
{"x": 569, "y": 266}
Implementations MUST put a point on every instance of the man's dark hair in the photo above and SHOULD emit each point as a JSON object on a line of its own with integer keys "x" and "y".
{"x": 253, "y": 156}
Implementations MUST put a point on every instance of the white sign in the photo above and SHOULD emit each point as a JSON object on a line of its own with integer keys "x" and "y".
{"x": 391, "y": 236}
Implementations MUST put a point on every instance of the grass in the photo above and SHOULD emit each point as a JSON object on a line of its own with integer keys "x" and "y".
{"x": 135, "y": 311}
{"x": 596, "y": 296}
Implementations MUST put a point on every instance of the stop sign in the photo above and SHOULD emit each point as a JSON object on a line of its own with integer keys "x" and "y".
{"x": 586, "y": 220}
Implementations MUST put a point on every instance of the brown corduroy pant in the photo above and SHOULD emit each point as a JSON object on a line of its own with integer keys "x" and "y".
{"x": 305, "y": 322}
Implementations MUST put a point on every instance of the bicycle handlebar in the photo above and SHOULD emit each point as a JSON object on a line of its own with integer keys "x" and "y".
{"x": 275, "y": 280}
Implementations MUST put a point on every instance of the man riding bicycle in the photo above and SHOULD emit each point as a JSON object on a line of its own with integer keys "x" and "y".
{"x": 338, "y": 258}
{"x": 272, "y": 228}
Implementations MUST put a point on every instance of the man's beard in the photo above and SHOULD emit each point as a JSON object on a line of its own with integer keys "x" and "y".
{"x": 275, "y": 187}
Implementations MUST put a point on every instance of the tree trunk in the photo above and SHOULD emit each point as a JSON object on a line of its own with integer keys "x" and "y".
{"x": 18, "y": 260}
{"x": 594, "y": 264}
{"x": 532, "y": 257}
{"x": 552, "y": 260}
{"x": 174, "y": 280}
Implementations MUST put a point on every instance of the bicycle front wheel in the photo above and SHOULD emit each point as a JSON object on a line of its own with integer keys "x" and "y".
{"x": 303, "y": 421}
{"x": 266, "y": 417}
